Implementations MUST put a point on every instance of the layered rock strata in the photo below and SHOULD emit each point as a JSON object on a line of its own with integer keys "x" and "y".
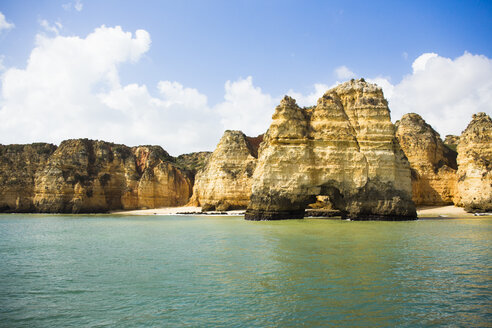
{"x": 225, "y": 182}
{"x": 18, "y": 167}
{"x": 344, "y": 148}
{"x": 84, "y": 175}
{"x": 475, "y": 165}
{"x": 433, "y": 164}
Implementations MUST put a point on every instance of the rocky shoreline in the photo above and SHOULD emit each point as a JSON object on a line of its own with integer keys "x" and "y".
{"x": 424, "y": 212}
{"x": 341, "y": 157}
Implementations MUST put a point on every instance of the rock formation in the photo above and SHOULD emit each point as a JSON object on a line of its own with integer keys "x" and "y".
{"x": 18, "y": 166}
{"x": 193, "y": 162}
{"x": 344, "y": 148}
{"x": 225, "y": 182}
{"x": 475, "y": 165}
{"x": 433, "y": 164}
{"x": 91, "y": 176}
{"x": 452, "y": 141}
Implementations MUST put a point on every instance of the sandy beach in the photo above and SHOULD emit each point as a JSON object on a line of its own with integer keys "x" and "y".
{"x": 423, "y": 212}
{"x": 173, "y": 211}
{"x": 444, "y": 212}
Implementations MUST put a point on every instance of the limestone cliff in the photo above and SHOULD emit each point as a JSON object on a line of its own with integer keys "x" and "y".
{"x": 225, "y": 181}
{"x": 344, "y": 148}
{"x": 433, "y": 164}
{"x": 18, "y": 166}
{"x": 160, "y": 182}
{"x": 193, "y": 162}
{"x": 475, "y": 165}
{"x": 89, "y": 176}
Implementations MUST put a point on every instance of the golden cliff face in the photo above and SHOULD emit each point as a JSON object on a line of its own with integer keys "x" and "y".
{"x": 160, "y": 184}
{"x": 18, "y": 165}
{"x": 475, "y": 165}
{"x": 94, "y": 176}
{"x": 344, "y": 148}
{"x": 434, "y": 179}
{"x": 225, "y": 181}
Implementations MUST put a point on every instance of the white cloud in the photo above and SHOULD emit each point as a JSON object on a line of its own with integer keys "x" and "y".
{"x": 445, "y": 92}
{"x": 246, "y": 107}
{"x": 71, "y": 88}
{"x": 383, "y": 82}
{"x": 51, "y": 28}
{"x": 344, "y": 73}
{"x": 176, "y": 94}
{"x": 77, "y": 5}
{"x": 420, "y": 63}
{"x": 4, "y": 25}
{"x": 311, "y": 98}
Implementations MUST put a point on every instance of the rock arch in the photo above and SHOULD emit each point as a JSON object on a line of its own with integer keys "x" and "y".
{"x": 345, "y": 146}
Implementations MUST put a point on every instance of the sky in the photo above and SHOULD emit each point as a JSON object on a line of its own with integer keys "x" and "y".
{"x": 179, "y": 73}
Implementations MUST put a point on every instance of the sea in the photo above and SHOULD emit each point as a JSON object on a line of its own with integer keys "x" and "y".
{"x": 223, "y": 271}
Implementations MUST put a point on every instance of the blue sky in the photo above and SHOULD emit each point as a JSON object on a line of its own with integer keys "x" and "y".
{"x": 234, "y": 60}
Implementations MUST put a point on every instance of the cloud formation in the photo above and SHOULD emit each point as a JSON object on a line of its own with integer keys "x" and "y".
{"x": 70, "y": 88}
{"x": 445, "y": 92}
{"x": 246, "y": 107}
{"x": 4, "y": 25}
{"x": 311, "y": 98}
{"x": 77, "y": 5}
{"x": 55, "y": 28}
{"x": 344, "y": 73}
{"x": 56, "y": 95}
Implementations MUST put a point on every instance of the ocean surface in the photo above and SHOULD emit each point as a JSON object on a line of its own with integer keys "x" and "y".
{"x": 180, "y": 271}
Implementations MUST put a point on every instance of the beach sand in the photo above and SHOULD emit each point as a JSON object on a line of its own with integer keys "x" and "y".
{"x": 422, "y": 212}
{"x": 448, "y": 211}
{"x": 443, "y": 212}
{"x": 172, "y": 211}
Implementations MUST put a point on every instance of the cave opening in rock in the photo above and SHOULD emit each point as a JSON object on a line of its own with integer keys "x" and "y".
{"x": 329, "y": 202}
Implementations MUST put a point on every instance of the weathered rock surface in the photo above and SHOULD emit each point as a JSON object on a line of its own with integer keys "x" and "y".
{"x": 344, "y": 148}
{"x": 193, "y": 162}
{"x": 452, "y": 141}
{"x": 92, "y": 176}
{"x": 18, "y": 166}
{"x": 433, "y": 164}
{"x": 225, "y": 182}
{"x": 475, "y": 165}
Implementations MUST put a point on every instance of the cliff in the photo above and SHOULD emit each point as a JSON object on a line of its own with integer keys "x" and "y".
{"x": 193, "y": 162}
{"x": 95, "y": 176}
{"x": 475, "y": 165}
{"x": 18, "y": 166}
{"x": 225, "y": 181}
{"x": 344, "y": 148}
{"x": 433, "y": 164}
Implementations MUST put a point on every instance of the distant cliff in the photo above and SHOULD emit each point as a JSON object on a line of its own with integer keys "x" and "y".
{"x": 441, "y": 175}
{"x": 433, "y": 163}
{"x": 225, "y": 181}
{"x": 86, "y": 176}
{"x": 475, "y": 165}
{"x": 18, "y": 167}
{"x": 344, "y": 148}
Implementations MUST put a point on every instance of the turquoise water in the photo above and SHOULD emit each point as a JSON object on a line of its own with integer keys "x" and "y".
{"x": 154, "y": 271}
